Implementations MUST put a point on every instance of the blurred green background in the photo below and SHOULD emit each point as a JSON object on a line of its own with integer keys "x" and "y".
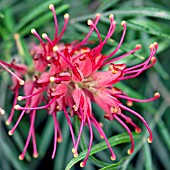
{"x": 147, "y": 21}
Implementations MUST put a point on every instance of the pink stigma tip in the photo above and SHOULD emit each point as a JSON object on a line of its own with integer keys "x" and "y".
{"x": 82, "y": 165}
{"x": 129, "y": 151}
{"x": 35, "y": 155}
{"x": 113, "y": 158}
{"x": 21, "y": 157}
{"x": 149, "y": 140}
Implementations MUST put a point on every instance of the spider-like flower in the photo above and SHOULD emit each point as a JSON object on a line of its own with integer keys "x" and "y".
{"x": 68, "y": 77}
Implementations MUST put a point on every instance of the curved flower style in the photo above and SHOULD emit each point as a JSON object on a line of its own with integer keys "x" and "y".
{"x": 69, "y": 78}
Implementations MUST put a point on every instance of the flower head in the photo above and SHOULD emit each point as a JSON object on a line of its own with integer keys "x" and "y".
{"x": 68, "y": 77}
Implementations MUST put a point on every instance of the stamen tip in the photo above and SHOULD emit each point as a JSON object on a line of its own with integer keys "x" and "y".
{"x": 16, "y": 36}
{"x": 129, "y": 103}
{"x": 58, "y": 108}
{"x": 21, "y": 82}
{"x": 111, "y": 16}
{"x": 44, "y": 35}
{"x": 55, "y": 48}
{"x": 59, "y": 140}
{"x": 51, "y": 6}
{"x": 98, "y": 15}
{"x": 21, "y": 157}
{"x": 89, "y": 22}
{"x": 74, "y": 150}
{"x": 137, "y": 130}
{"x": 75, "y": 107}
{"x": 101, "y": 124}
{"x": 151, "y": 46}
{"x": 8, "y": 122}
{"x": 2, "y": 112}
{"x": 130, "y": 151}
{"x": 35, "y": 155}
{"x": 123, "y": 23}
{"x": 153, "y": 59}
{"x": 19, "y": 98}
{"x": 155, "y": 44}
{"x": 10, "y": 133}
{"x": 75, "y": 155}
{"x": 48, "y": 58}
{"x": 66, "y": 16}
{"x": 138, "y": 46}
{"x": 101, "y": 136}
{"x": 52, "y": 79}
{"x": 16, "y": 107}
{"x": 114, "y": 110}
{"x": 33, "y": 31}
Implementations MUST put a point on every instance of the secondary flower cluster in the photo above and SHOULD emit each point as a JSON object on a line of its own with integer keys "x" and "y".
{"x": 68, "y": 78}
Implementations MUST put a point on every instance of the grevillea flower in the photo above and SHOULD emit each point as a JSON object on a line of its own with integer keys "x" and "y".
{"x": 68, "y": 78}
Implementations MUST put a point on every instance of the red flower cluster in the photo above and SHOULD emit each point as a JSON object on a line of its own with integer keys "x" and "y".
{"x": 68, "y": 77}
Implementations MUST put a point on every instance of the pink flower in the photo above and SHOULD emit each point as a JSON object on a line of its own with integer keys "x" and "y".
{"x": 68, "y": 77}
